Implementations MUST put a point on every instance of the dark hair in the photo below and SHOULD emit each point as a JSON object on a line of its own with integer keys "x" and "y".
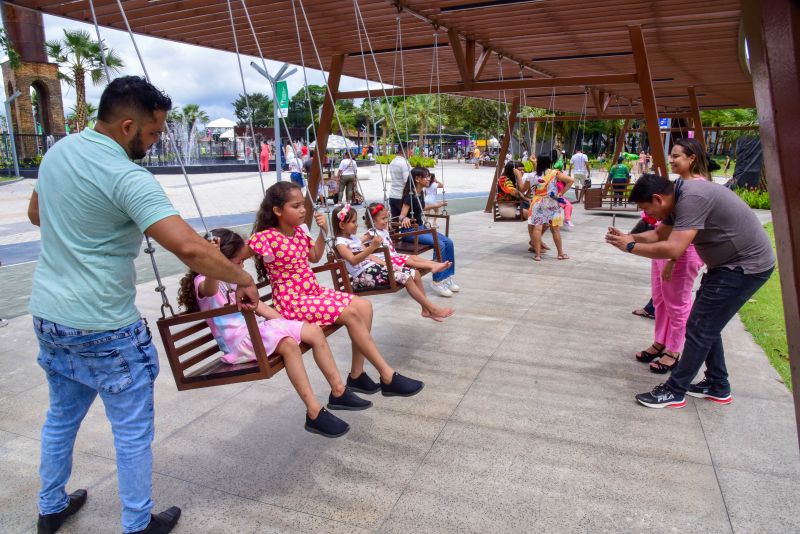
{"x": 543, "y": 162}
{"x": 692, "y": 147}
{"x": 648, "y": 185}
{"x": 620, "y": 159}
{"x": 131, "y": 94}
{"x": 508, "y": 170}
{"x": 416, "y": 172}
{"x": 276, "y": 196}
{"x": 229, "y": 244}
{"x": 369, "y": 216}
{"x": 337, "y": 231}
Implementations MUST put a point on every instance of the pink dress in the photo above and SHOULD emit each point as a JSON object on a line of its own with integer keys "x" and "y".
{"x": 230, "y": 331}
{"x": 296, "y": 294}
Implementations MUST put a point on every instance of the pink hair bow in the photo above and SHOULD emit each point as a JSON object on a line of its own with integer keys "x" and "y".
{"x": 342, "y": 215}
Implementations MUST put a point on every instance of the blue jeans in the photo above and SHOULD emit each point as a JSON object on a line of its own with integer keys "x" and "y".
{"x": 722, "y": 293}
{"x": 448, "y": 252}
{"x": 121, "y": 365}
{"x": 297, "y": 177}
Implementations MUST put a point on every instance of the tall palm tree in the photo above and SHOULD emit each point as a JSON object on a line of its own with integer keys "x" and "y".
{"x": 78, "y": 55}
{"x": 191, "y": 115}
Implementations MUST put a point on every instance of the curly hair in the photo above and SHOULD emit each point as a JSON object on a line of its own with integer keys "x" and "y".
{"x": 229, "y": 244}
{"x": 276, "y": 196}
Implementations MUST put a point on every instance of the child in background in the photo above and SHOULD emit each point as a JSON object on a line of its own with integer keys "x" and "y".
{"x": 284, "y": 246}
{"x": 279, "y": 335}
{"x": 378, "y": 220}
{"x": 368, "y": 271}
{"x": 432, "y": 204}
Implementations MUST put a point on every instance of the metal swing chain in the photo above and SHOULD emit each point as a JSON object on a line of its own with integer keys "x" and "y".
{"x": 246, "y": 97}
{"x": 439, "y": 111}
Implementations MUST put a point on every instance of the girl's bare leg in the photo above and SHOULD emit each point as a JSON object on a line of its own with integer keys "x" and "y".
{"x": 312, "y": 335}
{"x": 421, "y": 263}
{"x": 429, "y": 309}
{"x": 556, "y": 231}
{"x": 537, "y": 241}
{"x": 296, "y": 371}
{"x": 357, "y": 318}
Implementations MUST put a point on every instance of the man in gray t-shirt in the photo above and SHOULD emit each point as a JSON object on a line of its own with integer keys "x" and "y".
{"x": 735, "y": 248}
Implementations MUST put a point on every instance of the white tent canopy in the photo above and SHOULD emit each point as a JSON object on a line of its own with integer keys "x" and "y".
{"x": 336, "y": 142}
{"x": 494, "y": 143}
{"x": 221, "y": 123}
{"x": 227, "y": 134}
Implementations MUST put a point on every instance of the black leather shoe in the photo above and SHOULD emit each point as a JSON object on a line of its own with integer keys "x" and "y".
{"x": 50, "y": 523}
{"x": 163, "y": 522}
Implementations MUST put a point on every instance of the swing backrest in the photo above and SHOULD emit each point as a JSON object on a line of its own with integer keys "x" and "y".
{"x": 333, "y": 256}
{"x": 193, "y": 353}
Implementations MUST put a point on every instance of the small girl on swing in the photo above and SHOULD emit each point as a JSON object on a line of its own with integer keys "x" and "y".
{"x": 378, "y": 219}
{"x": 284, "y": 248}
{"x": 201, "y": 293}
{"x": 368, "y": 271}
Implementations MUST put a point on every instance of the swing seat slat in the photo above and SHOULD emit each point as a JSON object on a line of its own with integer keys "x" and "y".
{"x": 196, "y": 363}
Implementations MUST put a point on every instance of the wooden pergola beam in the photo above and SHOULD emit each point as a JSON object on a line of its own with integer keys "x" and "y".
{"x": 696, "y": 121}
{"x": 511, "y": 120}
{"x": 461, "y": 60}
{"x": 648, "y": 99}
{"x": 773, "y": 37}
{"x": 621, "y": 140}
{"x": 480, "y": 63}
{"x": 323, "y": 131}
{"x": 626, "y": 116}
{"x": 508, "y": 85}
{"x": 596, "y": 101}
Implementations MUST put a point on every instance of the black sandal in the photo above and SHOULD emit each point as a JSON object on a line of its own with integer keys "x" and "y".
{"x": 661, "y": 368}
{"x": 646, "y": 356}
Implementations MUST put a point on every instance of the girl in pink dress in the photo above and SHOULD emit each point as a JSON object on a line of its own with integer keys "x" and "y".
{"x": 279, "y": 335}
{"x": 284, "y": 247}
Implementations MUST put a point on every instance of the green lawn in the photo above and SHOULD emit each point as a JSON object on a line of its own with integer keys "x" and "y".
{"x": 7, "y": 178}
{"x": 763, "y": 318}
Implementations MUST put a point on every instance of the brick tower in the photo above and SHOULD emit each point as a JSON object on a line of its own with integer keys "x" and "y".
{"x": 25, "y": 30}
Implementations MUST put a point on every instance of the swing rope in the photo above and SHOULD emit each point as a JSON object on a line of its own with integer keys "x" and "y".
{"x": 246, "y": 97}
{"x": 439, "y": 112}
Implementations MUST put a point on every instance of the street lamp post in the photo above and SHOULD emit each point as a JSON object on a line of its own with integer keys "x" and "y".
{"x": 280, "y": 76}
{"x": 375, "y": 132}
{"x": 11, "y": 131}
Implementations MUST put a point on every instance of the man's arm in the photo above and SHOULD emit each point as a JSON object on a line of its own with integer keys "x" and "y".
{"x": 175, "y": 235}
{"x": 673, "y": 248}
{"x": 33, "y": 209}
{"x": 661, "y": 233}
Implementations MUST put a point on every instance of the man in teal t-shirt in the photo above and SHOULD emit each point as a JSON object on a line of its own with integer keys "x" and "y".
{"x": 619, "y": 176}
{"x": 93, "y": 204}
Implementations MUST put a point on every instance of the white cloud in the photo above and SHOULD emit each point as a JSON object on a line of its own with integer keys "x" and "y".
{"x": 188, "y": 74}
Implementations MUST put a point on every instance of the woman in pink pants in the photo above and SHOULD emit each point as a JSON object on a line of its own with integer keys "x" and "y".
{"x": 672, "y": 280}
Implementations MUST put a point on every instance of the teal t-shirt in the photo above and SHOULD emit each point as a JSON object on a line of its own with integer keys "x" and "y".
{"x": 94, "y": 205}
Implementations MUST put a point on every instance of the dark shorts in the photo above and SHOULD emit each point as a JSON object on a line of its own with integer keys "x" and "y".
{"x": 297, "y": 177}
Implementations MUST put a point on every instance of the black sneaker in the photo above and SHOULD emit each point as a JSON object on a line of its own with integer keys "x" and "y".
{"x": 401, "y": 386}
{"x": 706, "y": 390}
{"x": 50, "y": 523}
{"x": 661, "y": 397}
{"x": 347, "y": 401}
{"x": 163, "y": 522}
{"x": 363, "y": 384}
{"x": 326, "y": 424}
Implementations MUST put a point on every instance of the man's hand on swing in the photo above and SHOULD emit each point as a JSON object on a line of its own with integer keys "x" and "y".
{"x": 247, "y": 297}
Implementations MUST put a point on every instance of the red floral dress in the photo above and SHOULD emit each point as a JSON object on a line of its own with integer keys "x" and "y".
{"x": 296, "y": 293}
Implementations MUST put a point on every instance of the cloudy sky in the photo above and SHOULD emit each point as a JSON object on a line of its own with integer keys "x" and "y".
{"x": 188, "y": 74}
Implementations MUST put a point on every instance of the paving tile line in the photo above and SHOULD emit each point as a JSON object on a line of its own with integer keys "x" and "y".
{"x": 714, "y": 465}
{"x": 444, "y": 426}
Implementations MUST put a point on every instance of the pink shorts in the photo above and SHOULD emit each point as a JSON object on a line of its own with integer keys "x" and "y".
{"x": 272, "y": 333}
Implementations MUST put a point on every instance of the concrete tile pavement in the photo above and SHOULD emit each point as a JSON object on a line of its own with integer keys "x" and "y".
{"x": 527, "y": 421}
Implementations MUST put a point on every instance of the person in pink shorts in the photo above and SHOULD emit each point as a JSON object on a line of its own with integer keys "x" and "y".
{"x": 200, "y": 293}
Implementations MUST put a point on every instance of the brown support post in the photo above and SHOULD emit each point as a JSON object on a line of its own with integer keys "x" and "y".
{"x": 480, "y": 63}
{"x": 698, "y": 125}
{"x": 501, "y": 156}
{"x": 469, "y": 58}
{"x": 323, "y": 130}
{"x": 645, "y": 81}
{"x": 773, "y": 37}
{"x": 596, "y": 100}
{"x": 621, "y": 140}
{"x": 461, "y": 62}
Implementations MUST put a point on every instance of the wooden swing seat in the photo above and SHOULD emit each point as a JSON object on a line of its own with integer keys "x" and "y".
{"x": 415, "y": 248}
{"x": 333, "y": 256}
{"x": 602, "y": 199}
{"x": 195, "y": 362}
{"x": 503, "y": 210}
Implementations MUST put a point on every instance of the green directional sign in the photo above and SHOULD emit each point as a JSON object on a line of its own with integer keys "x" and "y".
{"x": 474, "y": 137}
{"x": 282, "y": 97}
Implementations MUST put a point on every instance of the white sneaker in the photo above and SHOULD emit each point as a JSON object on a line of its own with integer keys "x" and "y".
{"x": 569, "y": 223}
{"x": 441, "y": 288}
{"x": 451, "y": 285}
{"x": 3, "y": 322}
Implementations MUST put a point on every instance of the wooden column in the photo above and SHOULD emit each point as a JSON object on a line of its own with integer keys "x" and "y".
{"x": 645, "y": 81}
{"x": 501, "y": 156}
{"x": 698, "y": 125}
{"x": 773, "y": 36}
{"x": 621, "y": 140}
{"x": 323, "y": 130}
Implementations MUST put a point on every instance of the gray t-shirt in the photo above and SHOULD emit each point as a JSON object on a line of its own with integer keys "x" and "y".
{"x": 728, "y": 232}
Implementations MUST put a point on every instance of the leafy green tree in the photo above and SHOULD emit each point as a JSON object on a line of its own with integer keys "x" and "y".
{"x": 78, "y": 55}
{"x": 299, "y": 114}
{"x": 91, "y": 114}
{"x": 192, "y": 115}
{"x": 261, "y": 105}
{"x": 5, "y": 44}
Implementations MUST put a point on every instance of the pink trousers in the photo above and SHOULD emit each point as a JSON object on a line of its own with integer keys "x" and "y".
{"x": 673, "y": 299}
{"x": 567, "y": 210}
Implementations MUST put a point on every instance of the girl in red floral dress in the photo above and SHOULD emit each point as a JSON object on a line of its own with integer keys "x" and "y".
{"x": 284, "y": 247}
